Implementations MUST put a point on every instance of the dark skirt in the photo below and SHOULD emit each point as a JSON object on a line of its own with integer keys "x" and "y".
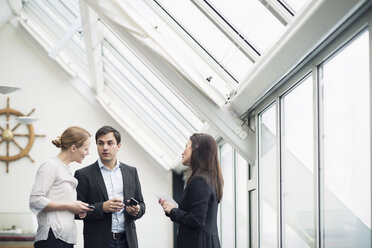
{"x": 52, "y": 242}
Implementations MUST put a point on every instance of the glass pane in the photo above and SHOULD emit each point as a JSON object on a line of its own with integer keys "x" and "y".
{"x": 67, "y": 11}
{"x": 142, "y": 100}
{"x": 39, "y": 20}
{"x": 253, "y": 19}
{"x": 143, "y": 77}
{"x": 295, "y": 5}
{"x": 347, "y": 148}
{"x": 297, "y": 168}
{"x": 209, "y": 36}
{"x": 268, "y": 178}
{"x": 191, "y": 56}
{"x": 241, "y": 201}
{"x": 227, "y": 203}
{"x": 253, "y": 219}
{"x": 52, "y": 20}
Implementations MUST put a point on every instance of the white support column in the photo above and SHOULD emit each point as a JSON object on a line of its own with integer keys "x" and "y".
{"x": 93, "y": 46}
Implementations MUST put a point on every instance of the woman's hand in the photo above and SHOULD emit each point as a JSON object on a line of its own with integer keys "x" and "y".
{"x": 78, "y": 207}
{"x": 82, "y": 215}
{"x": 167, "y": 206}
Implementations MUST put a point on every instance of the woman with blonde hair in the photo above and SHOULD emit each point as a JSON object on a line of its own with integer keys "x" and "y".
{"x": 197, "y": 211}
{"x": 53, "y": 196}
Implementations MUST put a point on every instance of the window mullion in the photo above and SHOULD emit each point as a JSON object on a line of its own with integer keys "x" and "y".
{"x": 229, "y": 30}
{"x": 280, "y": 11}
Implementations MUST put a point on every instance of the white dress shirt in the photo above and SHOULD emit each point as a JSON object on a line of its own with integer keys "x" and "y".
{"x": 54, "y": 182}
{"x": 114, "y": 184}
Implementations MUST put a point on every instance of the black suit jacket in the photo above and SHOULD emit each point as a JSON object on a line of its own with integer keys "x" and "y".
{"x": 197, "y": 215}
{"x": 92, "y": 189}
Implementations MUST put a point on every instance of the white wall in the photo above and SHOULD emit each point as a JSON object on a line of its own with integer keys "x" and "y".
{"x": 48, "y": 89}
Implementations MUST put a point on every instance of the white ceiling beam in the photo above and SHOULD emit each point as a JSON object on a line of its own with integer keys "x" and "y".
{"x": 66, "y": 37}
{"x": 93, "y": 46}
{"x": 314, "y": 25}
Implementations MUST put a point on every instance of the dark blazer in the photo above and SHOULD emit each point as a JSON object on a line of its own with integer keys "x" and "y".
{"x": 92, "y": 189}
{"x": 197, "y": 216}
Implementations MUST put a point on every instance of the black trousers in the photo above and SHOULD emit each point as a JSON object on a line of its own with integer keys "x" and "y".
{"x": 52, "y": 242}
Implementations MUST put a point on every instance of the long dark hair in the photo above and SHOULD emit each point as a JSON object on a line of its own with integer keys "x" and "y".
{"x": 204, "y": 161}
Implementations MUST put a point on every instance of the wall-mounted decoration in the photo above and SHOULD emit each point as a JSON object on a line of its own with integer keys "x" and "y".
{"x": 17, "y": 133}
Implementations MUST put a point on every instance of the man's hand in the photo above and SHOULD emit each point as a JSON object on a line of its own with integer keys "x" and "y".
{"x": 113, "y": 205}
{"x": 133, "y": 210}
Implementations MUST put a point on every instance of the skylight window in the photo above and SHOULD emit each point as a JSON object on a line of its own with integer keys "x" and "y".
{"x": 221, "y": 84}
{"x": 210, "y": 37}
{"x": 66, "y": 10}
{"x": 144, "y": 75}
{"x": 151, "y": 112}
{"x": 295, "y": 5}
{"x": 233, "y": 33}
{"x": 256, "y": 23}
{"x": 56, "y": 26}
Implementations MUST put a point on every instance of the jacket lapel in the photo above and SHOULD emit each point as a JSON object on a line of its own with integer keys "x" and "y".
{"x": 125, "y": 181}
{"x": 98, "y": 175}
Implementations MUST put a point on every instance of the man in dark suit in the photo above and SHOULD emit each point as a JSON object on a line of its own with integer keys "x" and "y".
{"x": 108, "y": 185}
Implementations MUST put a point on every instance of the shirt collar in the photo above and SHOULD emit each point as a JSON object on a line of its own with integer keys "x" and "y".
{"x": 101, "y": 165}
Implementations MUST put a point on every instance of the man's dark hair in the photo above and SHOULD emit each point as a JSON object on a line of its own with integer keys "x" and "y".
{"x": 107, "y": 129}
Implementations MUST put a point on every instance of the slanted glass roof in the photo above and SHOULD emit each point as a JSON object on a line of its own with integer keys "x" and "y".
{"x": 56, "y": 26}
{"x": 234, "y": 34}
{"x": 216, "y": 42}
{"x": 148, "y": 106}
{"x": 294, "y": 5}
{"x": 209, "y": 36}
{"x": 256, "y": 23}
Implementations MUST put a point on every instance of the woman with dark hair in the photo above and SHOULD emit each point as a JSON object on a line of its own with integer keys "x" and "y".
{"x": 53, "y": 196}
{"x": 197, "y": 211}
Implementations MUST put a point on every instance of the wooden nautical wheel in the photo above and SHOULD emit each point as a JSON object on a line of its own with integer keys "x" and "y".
{"x": 17, "y": 135}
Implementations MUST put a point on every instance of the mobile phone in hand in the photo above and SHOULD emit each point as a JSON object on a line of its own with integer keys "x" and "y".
{"x": 132, "y": 202}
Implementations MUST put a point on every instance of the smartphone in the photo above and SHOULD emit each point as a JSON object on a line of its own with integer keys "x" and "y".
{"x": 91, "y": 207}
{"x": 132, "y": 202}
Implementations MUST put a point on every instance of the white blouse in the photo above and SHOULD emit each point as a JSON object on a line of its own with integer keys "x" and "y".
{"x": 54, "y": 182}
